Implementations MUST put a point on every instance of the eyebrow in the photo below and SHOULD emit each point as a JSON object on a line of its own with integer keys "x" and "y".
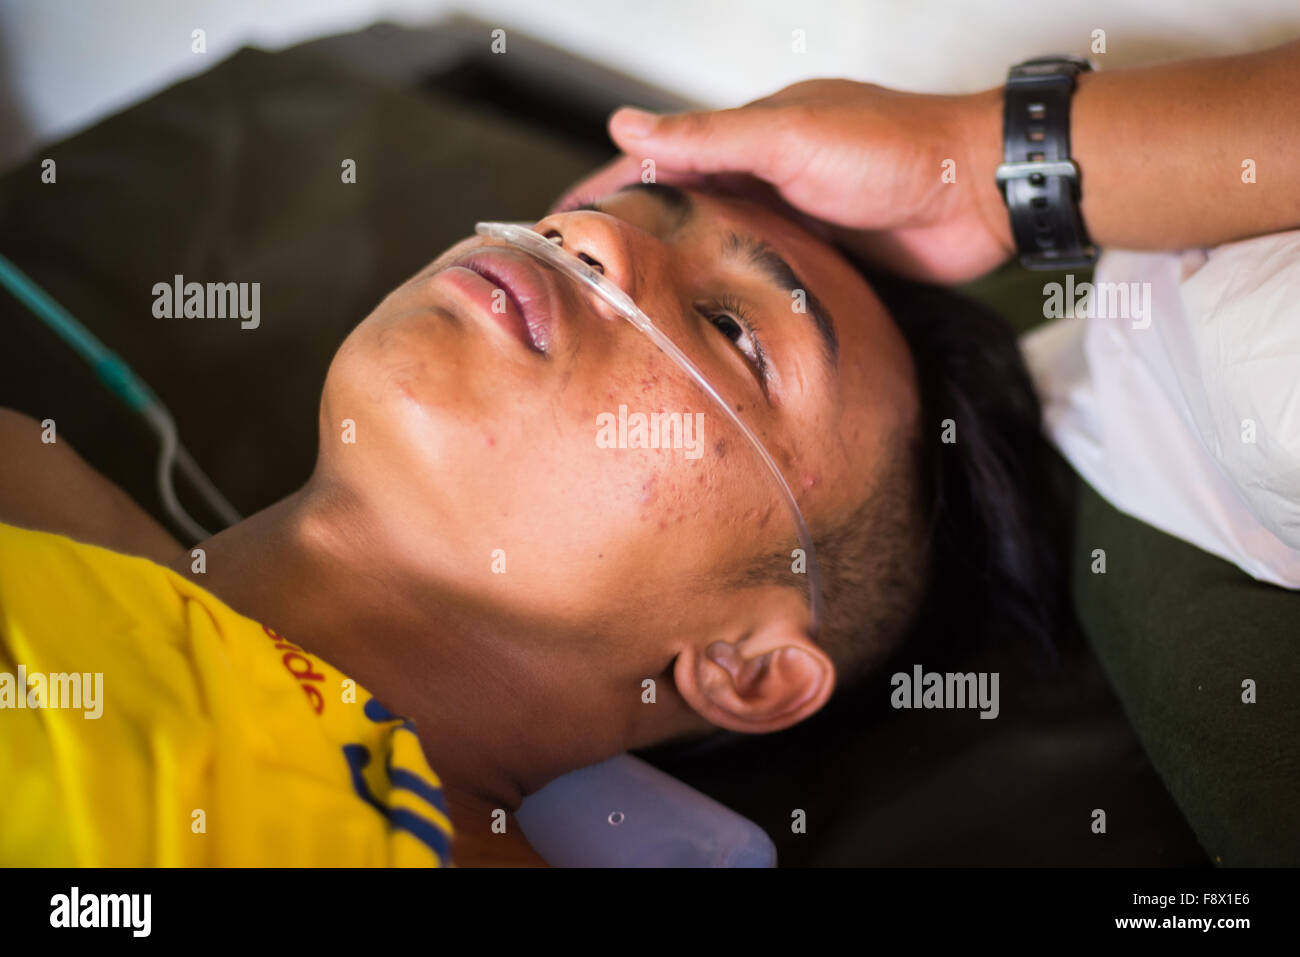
{"x": 754, "y": 252}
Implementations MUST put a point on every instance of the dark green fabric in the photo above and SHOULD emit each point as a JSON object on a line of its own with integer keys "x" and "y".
{"x": 1178, "y": 632}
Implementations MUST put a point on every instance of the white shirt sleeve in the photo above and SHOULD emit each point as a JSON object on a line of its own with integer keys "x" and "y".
{"x": 1244, "y": 309}
{"x": 1183, "y": 409}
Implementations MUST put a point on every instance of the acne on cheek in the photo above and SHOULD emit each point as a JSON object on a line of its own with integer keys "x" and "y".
{"x": 656, "y": 497}
{"x": 801, "y": 479}
{"x": 670, "y": 490}
{"x": 648, "y": 489}
{"x": 670, "y": 494}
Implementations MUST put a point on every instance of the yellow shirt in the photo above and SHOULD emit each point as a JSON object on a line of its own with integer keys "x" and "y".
{"x": 145, "y": 723}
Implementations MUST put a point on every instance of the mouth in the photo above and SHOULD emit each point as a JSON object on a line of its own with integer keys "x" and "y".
{"x": 513, "y": 290}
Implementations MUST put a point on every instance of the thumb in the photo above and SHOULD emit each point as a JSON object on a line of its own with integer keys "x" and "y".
{"x": 707, "y": 141}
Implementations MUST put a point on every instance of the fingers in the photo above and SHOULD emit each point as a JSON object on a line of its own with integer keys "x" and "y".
{"x": 686, "y": 149}
{"x": 741, "y": 140}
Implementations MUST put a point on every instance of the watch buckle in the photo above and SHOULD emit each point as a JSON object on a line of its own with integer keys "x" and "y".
{"x": 1010, "y": 171}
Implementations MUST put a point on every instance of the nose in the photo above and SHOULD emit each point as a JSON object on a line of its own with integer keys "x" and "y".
{"x": 599, "y": 240}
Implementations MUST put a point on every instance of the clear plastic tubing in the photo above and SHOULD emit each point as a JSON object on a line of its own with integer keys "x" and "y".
{"x": 531, "y": 242}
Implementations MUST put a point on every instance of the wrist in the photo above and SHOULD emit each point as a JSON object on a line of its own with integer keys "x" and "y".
{"x": 980, "y": 130}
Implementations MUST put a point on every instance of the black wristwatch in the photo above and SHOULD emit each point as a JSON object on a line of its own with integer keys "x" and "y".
{"x": 1038, "y": 179}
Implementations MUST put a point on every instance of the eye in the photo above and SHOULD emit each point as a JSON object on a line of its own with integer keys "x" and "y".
{"x": 730, "y": 319}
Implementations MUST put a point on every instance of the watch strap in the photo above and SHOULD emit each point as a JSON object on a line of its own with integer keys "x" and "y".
{"x": 1038, "y": 178}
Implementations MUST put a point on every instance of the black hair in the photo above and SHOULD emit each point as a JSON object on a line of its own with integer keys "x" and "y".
{"x": 993, "y": 504}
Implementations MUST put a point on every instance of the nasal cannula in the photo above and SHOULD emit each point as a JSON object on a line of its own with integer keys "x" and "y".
{"x": 532, "y": 242}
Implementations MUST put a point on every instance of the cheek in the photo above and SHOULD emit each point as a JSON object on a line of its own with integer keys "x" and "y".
{"x": 702, "y": 492}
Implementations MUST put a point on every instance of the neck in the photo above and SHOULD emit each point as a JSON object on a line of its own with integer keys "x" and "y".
{"x": 497, "y": 717}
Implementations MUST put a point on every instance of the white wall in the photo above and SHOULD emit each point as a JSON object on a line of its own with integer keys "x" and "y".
{"x": 66, "y": 63}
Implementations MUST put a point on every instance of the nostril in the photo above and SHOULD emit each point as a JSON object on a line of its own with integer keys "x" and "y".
{"x": 556, "y": 237}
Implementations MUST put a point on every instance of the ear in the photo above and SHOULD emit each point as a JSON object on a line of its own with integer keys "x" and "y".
{"x": 763, "y": 681}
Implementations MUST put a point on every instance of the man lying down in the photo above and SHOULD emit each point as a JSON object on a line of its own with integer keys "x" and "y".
{"x": 470, "y": 593}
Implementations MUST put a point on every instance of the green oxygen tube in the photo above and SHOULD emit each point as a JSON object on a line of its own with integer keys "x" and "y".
{"x": 122, "y": 381}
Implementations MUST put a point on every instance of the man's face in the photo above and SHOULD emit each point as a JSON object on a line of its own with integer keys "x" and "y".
{"x": 478, "y": 447}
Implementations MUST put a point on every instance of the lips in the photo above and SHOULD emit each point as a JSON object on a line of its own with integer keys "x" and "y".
{"x": 529, "y": 310}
